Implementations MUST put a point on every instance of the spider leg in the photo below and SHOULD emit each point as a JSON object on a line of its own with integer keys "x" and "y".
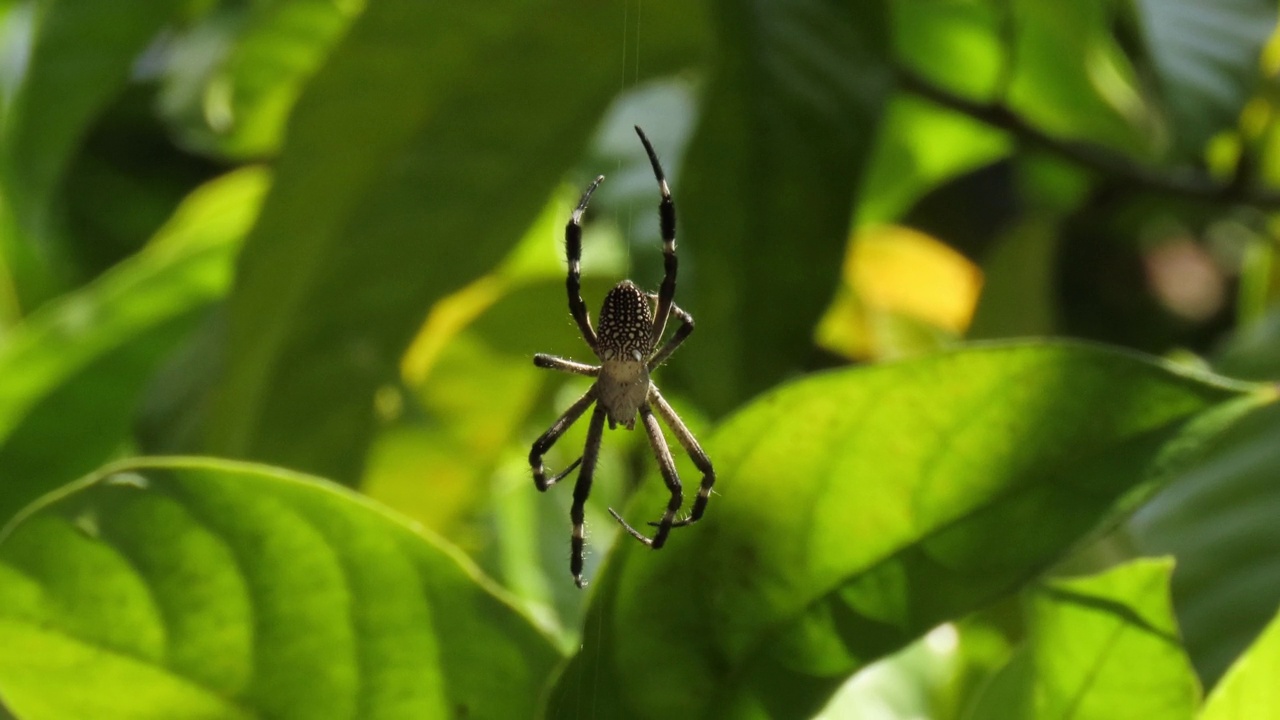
{"x": 667, "y": 220}
{"x": 551, "y": 362}
{"x": 668, "y": 466}
{"x": 682, "y": 333}
{"x": 573, "y": 251}
{"x": 549, "y": 438}
{"x": 691, "y": 446}
{"x": 581, "y": 490}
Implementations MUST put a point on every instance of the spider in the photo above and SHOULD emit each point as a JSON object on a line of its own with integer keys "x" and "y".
{"x": 628, "y": 346}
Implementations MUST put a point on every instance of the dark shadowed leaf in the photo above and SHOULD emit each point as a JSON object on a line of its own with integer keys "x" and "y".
{"x": 769, "y": 186}
{"x": 74, "y": 370}
{"x": 82, "y": 55}
{"x": 1206, "y": 52}
{"x": 411, "y": 168}
{"x": 1248, "y": 690}
{"x": 1218, "y": 518}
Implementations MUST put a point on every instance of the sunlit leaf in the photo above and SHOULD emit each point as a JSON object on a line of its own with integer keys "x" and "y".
{"x": 201, "y": 588}
{"x": 73, "y": 372}
{"x": 1094, "y": 97}
{"x": 900, "y": 687}
{"x": 1099, "y": 646}
{"x": 957, "y": 43}
{"x": 858, "y": 509}
{"x": 919, "y": 146}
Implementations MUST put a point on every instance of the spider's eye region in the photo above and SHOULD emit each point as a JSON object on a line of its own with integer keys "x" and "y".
{"x": 626, "y": 321}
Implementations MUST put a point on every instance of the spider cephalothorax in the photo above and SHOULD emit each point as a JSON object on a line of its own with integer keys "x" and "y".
{"x": 629, "y": 346}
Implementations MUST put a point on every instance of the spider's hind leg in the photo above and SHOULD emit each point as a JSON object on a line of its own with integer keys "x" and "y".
{"x": 668, "y": 466}
{"x": 581, "y": 490}
{"x": 696, "y": 453}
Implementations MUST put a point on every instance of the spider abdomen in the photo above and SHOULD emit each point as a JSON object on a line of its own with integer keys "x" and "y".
{"x": 626, "y": 325}
{"x": 625, "y": 335}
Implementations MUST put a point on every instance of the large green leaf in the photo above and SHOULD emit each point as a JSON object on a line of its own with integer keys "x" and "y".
{"x": 1104, "y": 646}
{"x": 414, "y": 160}
{"x": 81, "y": 57}
{"x": 769, "y": 187}
{"x": 1206, "y": 53}
{"x": 858, "y": 509}
{"x": 1218, "y": 518}
{"x": 74, "y": 370}
{"x": 192, "y": 588}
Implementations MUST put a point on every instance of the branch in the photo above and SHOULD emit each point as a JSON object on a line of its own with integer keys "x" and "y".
{"x": 1181, "y": 183}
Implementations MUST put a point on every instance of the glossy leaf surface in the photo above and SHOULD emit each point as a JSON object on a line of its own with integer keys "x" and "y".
{"x": 1100, "y": 646}
{"x": 200, "y": 588}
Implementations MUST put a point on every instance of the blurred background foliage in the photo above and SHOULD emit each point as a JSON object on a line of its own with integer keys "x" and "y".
{"x": 325, "y": 235}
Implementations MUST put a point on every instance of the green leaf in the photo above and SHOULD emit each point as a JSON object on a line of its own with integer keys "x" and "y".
{"x": 1253, "y": 350}
{"x": 1206, "y": 53}
{"x": 1101, "y": 646}
{"x": 918, "y": 148}
{"x": 957, "y": 43}
{"x": 1018, "y": 285}
{"x": 240, "y": 107}
{"x": 1012, "y": 51}
{"x": 770, "y": 186}
{"x": 1094, "y": 97}
{"x": 74, "y": 370}
{"x": 81, "y": 57}
{"x": 201, "y": 588}
{"x": 1216, "y": 517}
{"x": 416, "y": 157}
{"x": 858, "y": 509}
{"x": 1248, "y": 690}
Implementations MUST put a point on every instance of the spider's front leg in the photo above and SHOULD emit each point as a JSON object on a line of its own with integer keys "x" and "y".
{"x": 667, "y": 224}
{"x": 573, "y": 253}
{"x": 549, "y": 438}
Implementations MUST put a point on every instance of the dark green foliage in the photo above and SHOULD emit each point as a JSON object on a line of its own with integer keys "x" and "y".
{"x": 272, "y": 274}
